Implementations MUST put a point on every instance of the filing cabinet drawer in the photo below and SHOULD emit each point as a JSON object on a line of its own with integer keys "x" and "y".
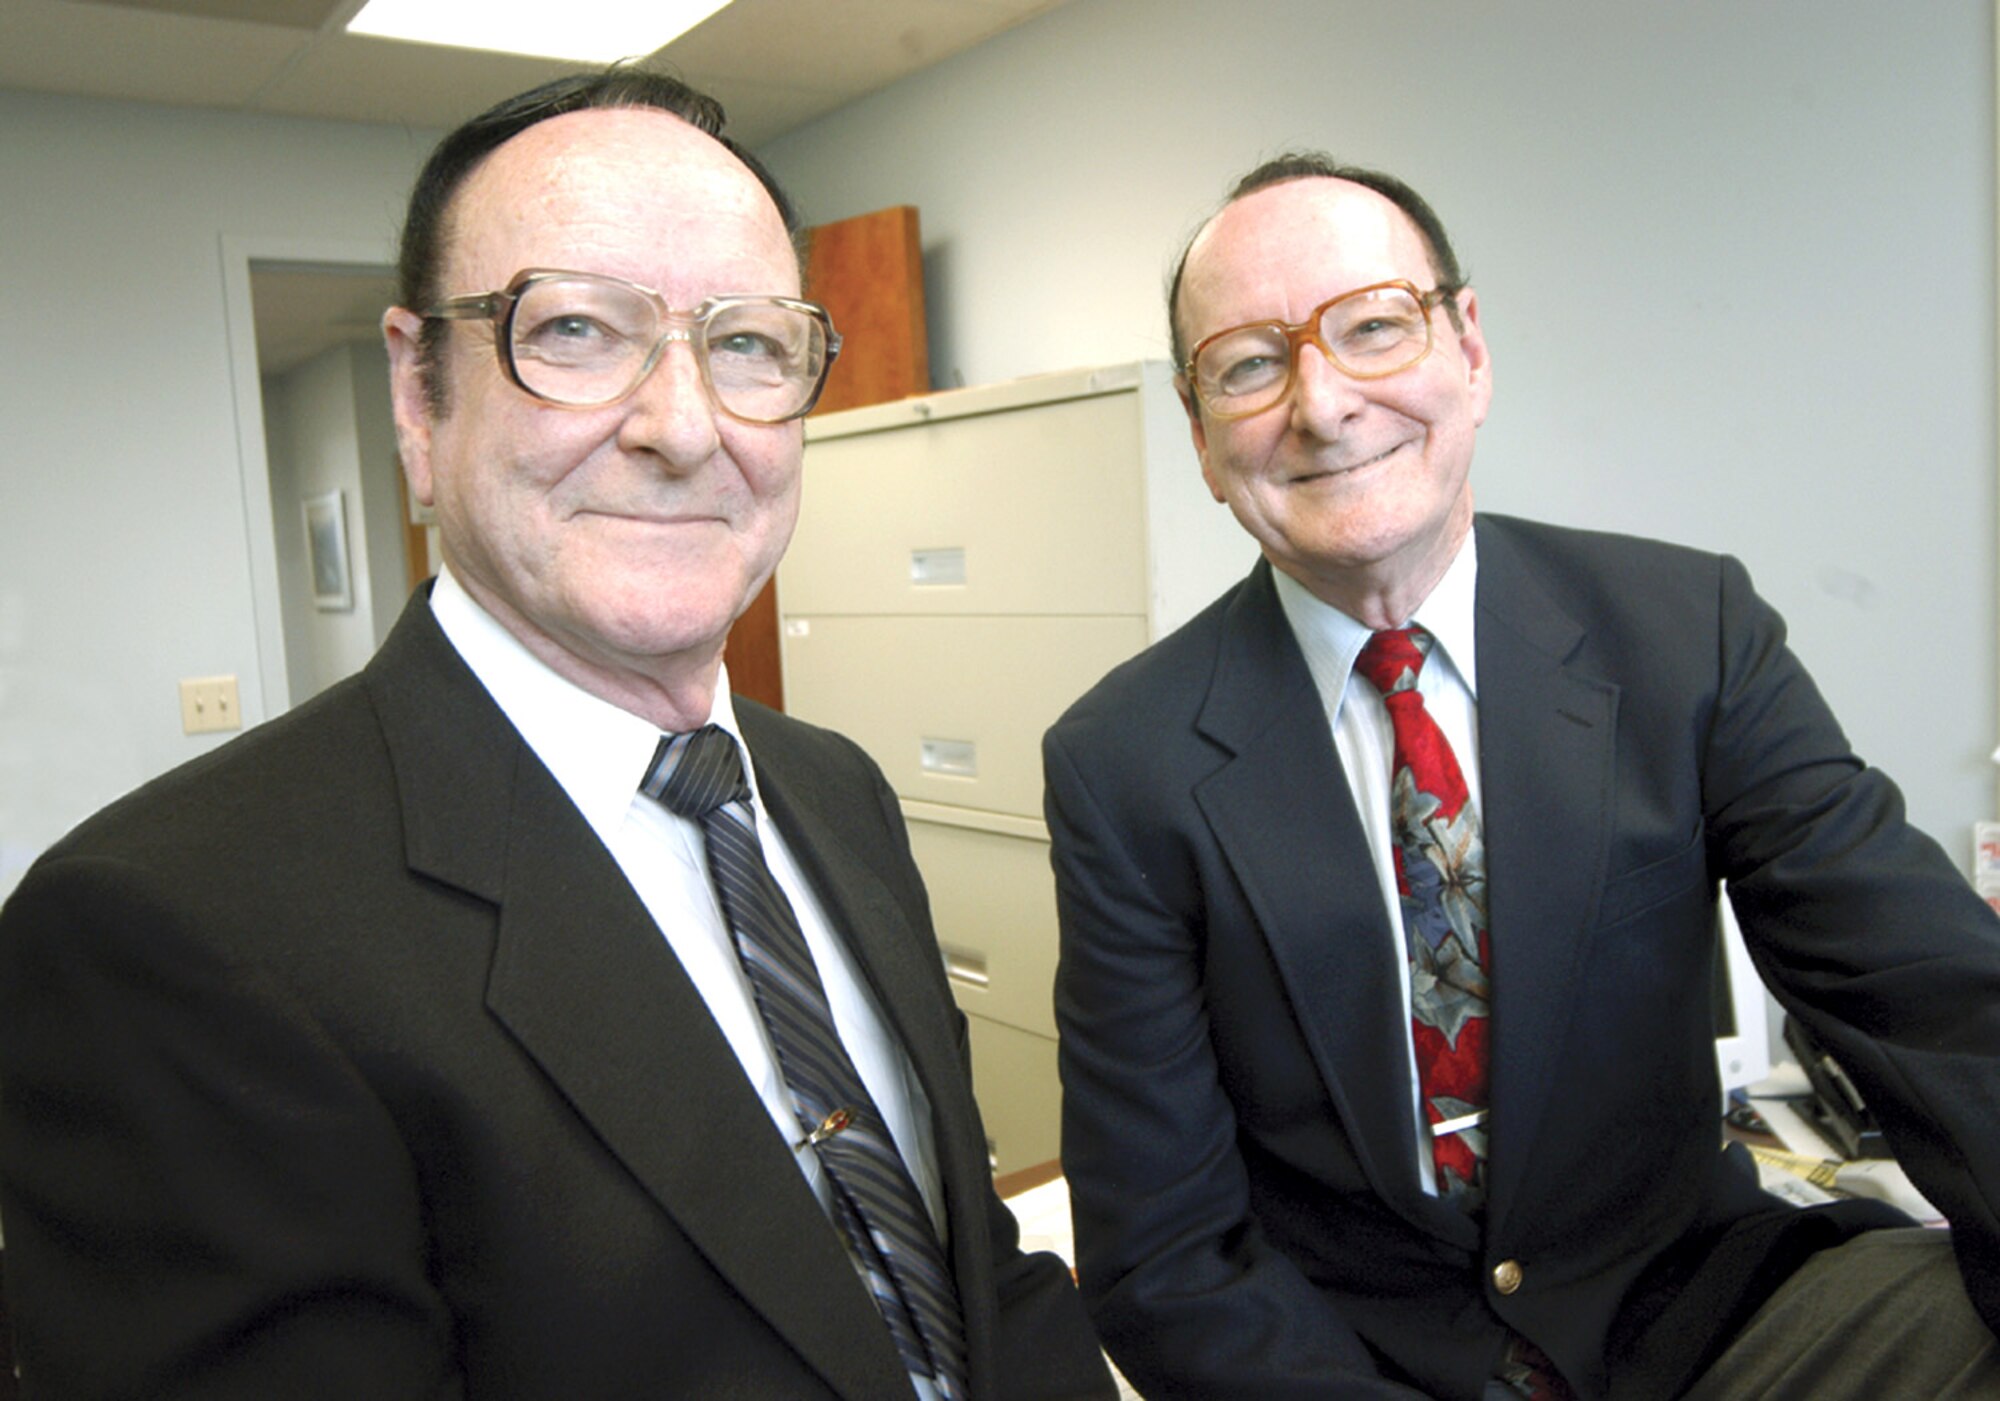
{"x": 953, "y": 709}
{"x": 1020, "y": 1098}
{"x": 1039, "y": 509}
{"x": 993, "y": 901}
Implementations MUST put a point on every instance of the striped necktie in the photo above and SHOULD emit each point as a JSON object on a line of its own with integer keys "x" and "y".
{"x": 875, "y": 1203}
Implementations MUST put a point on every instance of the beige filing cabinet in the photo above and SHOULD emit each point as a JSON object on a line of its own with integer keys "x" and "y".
{"x": 967, "y": 563}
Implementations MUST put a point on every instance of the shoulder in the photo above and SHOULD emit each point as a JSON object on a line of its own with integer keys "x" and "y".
{"x": 1164, "y": 686}
{"x": 1599, "y": 577}
{"x": 268, "y": 788}
{"x": 785, "y": 743}
{"x": 819, "y": 770}
{"x": 249, "y": 857}
{"x": 1567, "y": 552}
{"x": 1664, "y": 622}
{"x": 825, "y": 792}
{"x": 322, "y": 769}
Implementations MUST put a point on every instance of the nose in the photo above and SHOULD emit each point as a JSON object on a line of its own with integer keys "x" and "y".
{"x": 1324, "y": 396}
{"x": 670, "y": 414}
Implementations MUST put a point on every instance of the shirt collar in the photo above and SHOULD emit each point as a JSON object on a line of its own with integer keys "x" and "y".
{"x": 596, "y": 751}
{"x": 1331, "y": 640}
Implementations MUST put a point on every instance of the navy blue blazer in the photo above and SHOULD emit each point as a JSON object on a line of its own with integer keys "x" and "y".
{"x": 344, "y": 1062}
{"x": 1237, "y": 1128}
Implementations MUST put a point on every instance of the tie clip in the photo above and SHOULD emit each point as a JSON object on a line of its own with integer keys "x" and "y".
{"x": 1444, "y": 1128}
{"x": 832, "y": 1124}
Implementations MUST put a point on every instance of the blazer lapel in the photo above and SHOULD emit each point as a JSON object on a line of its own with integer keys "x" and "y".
{"x": 1284, "y": 817}
{"x": 1546, "y": 745}
{"x": 585, "y": 982}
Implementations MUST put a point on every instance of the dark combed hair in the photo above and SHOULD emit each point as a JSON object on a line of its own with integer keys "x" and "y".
{"x": 1317, "y": 165}
{"x": 426, "y": 223}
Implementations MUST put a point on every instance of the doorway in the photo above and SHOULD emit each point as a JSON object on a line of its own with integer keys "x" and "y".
{"x": 324, "y": 512}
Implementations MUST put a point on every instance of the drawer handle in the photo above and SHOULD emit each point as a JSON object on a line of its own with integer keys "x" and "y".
{"x": 931, "y": 567}
{"x": 956, "y": 757}
{"x": 965, "y": 967}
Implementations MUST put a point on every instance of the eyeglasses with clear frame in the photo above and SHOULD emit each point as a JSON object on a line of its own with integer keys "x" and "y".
{"x": 1371, "y": 332}
{"x": 584, "y": 340}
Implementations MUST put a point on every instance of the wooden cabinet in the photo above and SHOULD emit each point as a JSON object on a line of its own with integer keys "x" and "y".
{"x": 967, "y": 563}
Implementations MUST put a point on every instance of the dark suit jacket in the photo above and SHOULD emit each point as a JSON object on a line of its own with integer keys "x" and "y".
{"x": 343, "y": 1062}
{"x": 1237, "y": 1126}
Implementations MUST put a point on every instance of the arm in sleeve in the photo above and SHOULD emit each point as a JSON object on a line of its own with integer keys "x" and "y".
{"x": 1861, "y": 925}
{"x": 1190, "y": 1297}
{"x": 202, "y": 1197}
{"x": 1045, "y": 1349}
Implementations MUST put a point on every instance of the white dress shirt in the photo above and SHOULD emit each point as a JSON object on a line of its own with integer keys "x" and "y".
{"x": 598, "y": 753}
{"x": 1365, "y": 740}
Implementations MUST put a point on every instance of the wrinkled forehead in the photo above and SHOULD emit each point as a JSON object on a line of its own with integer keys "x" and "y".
{"x": 1279, "y": 252}
{"x": 632, "y": 192}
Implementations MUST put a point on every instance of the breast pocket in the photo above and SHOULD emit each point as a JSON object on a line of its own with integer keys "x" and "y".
{"x": 1630, "y": 894}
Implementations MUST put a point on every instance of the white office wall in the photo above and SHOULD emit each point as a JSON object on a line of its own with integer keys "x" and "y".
{"x": 123, "y": 557}
{"x": 1735, "y": 265}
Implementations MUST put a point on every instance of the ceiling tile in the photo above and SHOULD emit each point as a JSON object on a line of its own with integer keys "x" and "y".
{"x": 107, "y": 51}
{"x": 760, "y": 112}
{"x": 855, "y": 46}
{"x": 292, "y": 14}
{"x": 775, "y": 64}
{"x": 362, "y": 78}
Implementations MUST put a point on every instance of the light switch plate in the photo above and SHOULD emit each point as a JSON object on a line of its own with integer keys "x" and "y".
{"x": 208, "y": 703}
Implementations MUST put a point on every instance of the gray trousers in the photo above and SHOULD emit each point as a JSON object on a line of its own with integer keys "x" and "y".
{"x": 1883, "y": 1317}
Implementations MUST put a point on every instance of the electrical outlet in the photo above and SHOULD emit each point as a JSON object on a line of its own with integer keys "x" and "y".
{"x": 209, "y": 703}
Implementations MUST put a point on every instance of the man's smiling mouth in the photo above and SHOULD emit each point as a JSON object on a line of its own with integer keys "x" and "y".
{"x": 641, "y": 517}
{"x": 1341, "y": 470}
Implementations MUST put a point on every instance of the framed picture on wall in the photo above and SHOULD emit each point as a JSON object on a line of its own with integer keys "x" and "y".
{"x": 326, "y": 552}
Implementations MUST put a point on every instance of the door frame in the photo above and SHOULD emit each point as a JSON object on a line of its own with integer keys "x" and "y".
{"x": 273, "y": 687}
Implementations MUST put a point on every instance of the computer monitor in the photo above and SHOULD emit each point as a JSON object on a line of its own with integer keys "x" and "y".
{"x": 1742, "y": 1018}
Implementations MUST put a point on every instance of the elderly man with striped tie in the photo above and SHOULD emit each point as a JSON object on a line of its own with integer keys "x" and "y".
{"x": 524, "y": 1018}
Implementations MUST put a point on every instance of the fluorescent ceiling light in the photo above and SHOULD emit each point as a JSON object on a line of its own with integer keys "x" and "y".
{"x": 592, "y": 31}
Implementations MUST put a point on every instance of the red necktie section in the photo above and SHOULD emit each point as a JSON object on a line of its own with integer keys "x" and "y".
{"x": 1440, "y": 862}
{"x": 1441, "y": 874}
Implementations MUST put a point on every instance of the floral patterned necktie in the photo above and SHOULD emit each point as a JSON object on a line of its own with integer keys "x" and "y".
{"x": 1440, "y": 864}
{"x": 1441, "y": 874}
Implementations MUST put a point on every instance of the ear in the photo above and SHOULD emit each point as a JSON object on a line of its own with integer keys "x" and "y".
{"x": 401, "y": 329}
{"x": 1478, "y": 359}
{"x": 1199, "y": 432}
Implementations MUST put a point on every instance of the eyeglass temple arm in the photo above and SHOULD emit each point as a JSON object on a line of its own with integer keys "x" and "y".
{"x": 488, "y": 306}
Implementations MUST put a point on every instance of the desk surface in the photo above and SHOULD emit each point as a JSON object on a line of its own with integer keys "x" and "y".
{"x": 1775, "y": 1099}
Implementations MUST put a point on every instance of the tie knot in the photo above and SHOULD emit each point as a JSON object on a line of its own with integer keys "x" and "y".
{"x": 1391, "y": 660}
{"x": 694, "y": 774}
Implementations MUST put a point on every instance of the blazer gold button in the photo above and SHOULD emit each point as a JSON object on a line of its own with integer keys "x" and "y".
{"x": 1507, "y": 1276}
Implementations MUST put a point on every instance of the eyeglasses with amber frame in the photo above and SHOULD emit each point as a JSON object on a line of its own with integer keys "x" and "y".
{"x": 1371, "y": 332}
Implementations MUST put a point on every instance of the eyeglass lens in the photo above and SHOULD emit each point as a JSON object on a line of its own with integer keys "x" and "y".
{"x": 585, "y": 341}
{"x": 1371, "y": 333}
